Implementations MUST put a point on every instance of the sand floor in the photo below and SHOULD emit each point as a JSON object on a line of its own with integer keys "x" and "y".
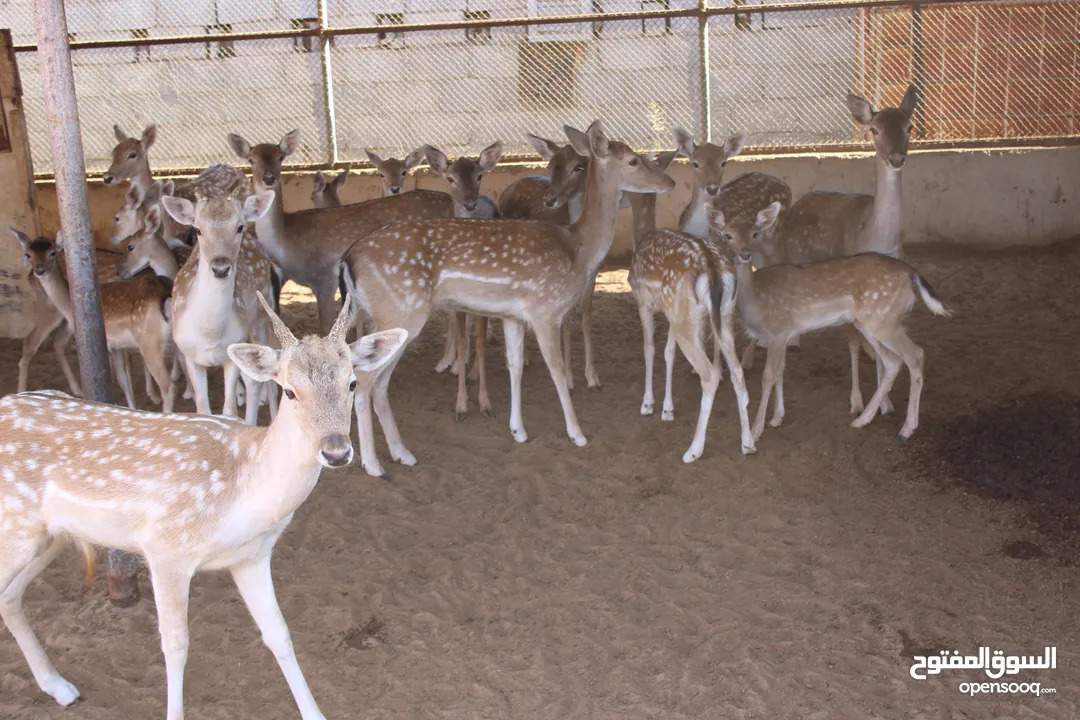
{"x": 612, "y": 581}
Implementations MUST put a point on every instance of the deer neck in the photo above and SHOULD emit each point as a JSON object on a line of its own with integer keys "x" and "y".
{"x": 746, "y": 297}
{"x": 142, "y": 178}
{"x": 694, "y": 220}
{"x": 281, "y": 468}
{"x": 211, "y": 298}
{"x": 886, "y": 217}
{"x": 594, "y": 231}
{"x": 574, "y": 207}
{"x": 162, "y": 261}
{"x": 56, "y": 289}
{"x": 643, "y": 209}
{"x": 270, "y": 228}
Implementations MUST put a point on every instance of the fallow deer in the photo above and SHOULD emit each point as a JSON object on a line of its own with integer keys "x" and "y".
{"x": 324, "y": 193}
{"x": 556, "y": 198}
{"x": 872, "y": 291}
{"x": 393, "y": 172}
{"x": 214, "y": 298}
{"x": 308, "y": 245}
{"x": 527, "y": 273}
{"x": 825, "y": 224}
{"x": 130, "y": 160}
{"x": 136, "y": 314}
{"x": 46, "y": 319}
{"x": 187, "y": 492}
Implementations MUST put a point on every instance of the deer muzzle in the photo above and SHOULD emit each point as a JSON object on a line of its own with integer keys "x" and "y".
{"x": 221, "y": 268}
{"x": 336, "y": 451}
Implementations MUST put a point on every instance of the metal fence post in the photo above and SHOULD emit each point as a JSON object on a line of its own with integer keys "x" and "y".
{"x": 62, "y": 118}
{"x": 325, "y": 40}
{"x": 706, "y": 89}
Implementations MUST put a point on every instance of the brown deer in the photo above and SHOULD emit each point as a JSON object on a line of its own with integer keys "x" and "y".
{"x": 393, "y": 172}
{"x": 308, "y": 245}
{"x": 556, "y": 198}
{"x": 872, "y": 291}
{"x": 130, "y": 159}
{"x": 324, "y": 193}
{"x": 47, "y": 320}
{"x": 709, "y": 163}
{"x": 136, "y": 313}
{"x": 825, "y": 224}
{"x": 187, "y": 492}
{"x": 527, "y": 273}
{"x": 214, "y": 298}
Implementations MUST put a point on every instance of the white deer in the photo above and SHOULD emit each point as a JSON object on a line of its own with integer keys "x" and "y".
{"x": 528, "y": 273}
{"x": 187, "y": 492}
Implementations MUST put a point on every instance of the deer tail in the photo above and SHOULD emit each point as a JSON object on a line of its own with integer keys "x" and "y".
{"x": 926, "y": 292}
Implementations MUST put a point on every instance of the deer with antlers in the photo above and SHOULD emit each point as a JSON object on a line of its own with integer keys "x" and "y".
{"x": 324, "y": 191}
{"x": 393, "y": 172}
{"x": 871, "y": 291}
{"x": 527, "y": 273}
{"x": 187, "y": 492}
{"x": 214, "y": 298}
{"x": 308, "y": 245}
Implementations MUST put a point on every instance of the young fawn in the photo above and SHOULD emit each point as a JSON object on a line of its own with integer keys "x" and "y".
{"x": 324, "y": 193}
{"x": 871, "y": 291}
{"x": 528, "y": 273}
{"x": 187, "y": 492}
{"x": 393, "y": 172}
{"x": 556, "y": 198}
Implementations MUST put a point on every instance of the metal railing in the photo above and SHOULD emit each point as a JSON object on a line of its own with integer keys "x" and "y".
{"x": 393, "y": 75}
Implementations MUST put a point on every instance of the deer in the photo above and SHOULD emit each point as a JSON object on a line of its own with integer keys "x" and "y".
{"x": 130, "y": 158}
{"x": 824, "y": 224}
{"x": 692, "y": 282}
{"x": 47, "y": 321}
{"x": 393, "y": 172}
{"x": 308, "y": 245}
{"x": 136, "y": 314}
{"x": 871, "y": 291}
{"x": 527, "y": 273}
{"x": 556, "y": 198}
{"x": 187, "y": 492}
{"x": 324, "y": 193}
{"x": 214, "y": 296}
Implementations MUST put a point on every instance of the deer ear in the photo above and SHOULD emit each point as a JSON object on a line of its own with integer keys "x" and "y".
{"x": 734, "y": 145}
{"x": 342, "y": 178}
{"x": 59, "y": 240}
{"x": 22, "y": 237}
{"x": 663, "y": 160}
{"x": 414, "y": 158}
{"x": 436, "y": 159}
{"x": 489, "y": 158}
{"x": 179, "y": 209}
{"x": 860, "y": 109}
{"x": 598, "y": 141}
{"x": 121, "y": 136}
{"x": 372, "y": 157}
{"x": 767, "y": 217}
{"x": 153, "y": 194}
{"x": 149, "y": 135}
{"x": 290, "y": 142}
{"x": 134, "y": 197}
{"x": 257, "y": 205}
{"x": 168, "y": 188}
{"x": 907, "y": 105}
{"x": 258, "y": 362}
{"x": 371, "y": 352}
{"x": 717, "y": 222}
{"x": 153, "y": 220}
{"x": 240, "y": 147}
{"x": 319, "y": 181}
{"x": 544, "y": 147}
{"x": 684, "y": 142}
{"x": 578, "y": 140}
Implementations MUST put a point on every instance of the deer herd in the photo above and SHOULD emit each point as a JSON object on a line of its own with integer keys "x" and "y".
{"x": 199, "y": 283}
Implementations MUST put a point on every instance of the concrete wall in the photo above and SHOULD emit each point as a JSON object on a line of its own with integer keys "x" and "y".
{"x": 984, "y": 199}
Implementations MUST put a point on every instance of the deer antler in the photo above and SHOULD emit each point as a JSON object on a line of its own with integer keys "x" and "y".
{"x": 283, "y": 333}
{"x": 341, "y": 325}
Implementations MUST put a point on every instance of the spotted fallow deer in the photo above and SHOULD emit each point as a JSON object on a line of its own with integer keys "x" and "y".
{"x": 825, "y": 224}
{"x": 324, "y": 192}
{"x": 556, "y": 198}
{"x": 130, "y": 159}
{"x": 214, "y": 297}
{"x": 187, "y": 492}
{"x": 527, "y": 273}
{"x": 393, "y": 172}
{"x": 709, "y": 163}
{"x": 872, "y": 291}
{"x": 136, "y": 313}
{"x": 47, "y": 321}
{"x": 308, "y": 245}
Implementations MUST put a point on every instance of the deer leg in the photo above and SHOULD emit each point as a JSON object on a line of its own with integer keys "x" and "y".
{"x": 256, "y": 585}
{"x": 31, "y": 343}
{"x": 773, "y": 358}
{"x": 450, "y": 349}
{"x": 151, "y": 387}
{"x": 327, "y": 306}
{"x": 778, "y": 407}
{"x": 381, "y": 396}
{"x": 179, "y": 367}
{"x": 154, "y": 362}
{"x": 60, "y": 343}
{"x": 197, "y": 377}
{"x": 899, "y": 343}
{"x": 689, "y": 340}
{"x": 16, "y": 573}
{"x": 854, "y": 343}
{"x": 886, "y": 404}
{"x": 120, "y": 364}
{"x": 668, "y": 412}
{"x": 748, "y": 355}
{"x": 592, "y": 378}
{"x": 480, "y": 323}
{"x": 462, "y": 406}
{"x": 254, "y": 390}
{"x": 514, "y": 337}
{"x": 892, "y": 369}
{"x": 232, "y": 376}
{"x": 172, "y": 585}
{"x": 716, "y": 354}
{"x": 648, "y": 331}
{"x": 480, "y": 365}
{"x": 568, "y": 364}
{"x": 362, "y": 402}
{"x": 547, "y": 334}
{"x": 726, "y": 343}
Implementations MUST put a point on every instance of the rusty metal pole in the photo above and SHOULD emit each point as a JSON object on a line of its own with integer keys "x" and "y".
{"x": 62, "y": 118}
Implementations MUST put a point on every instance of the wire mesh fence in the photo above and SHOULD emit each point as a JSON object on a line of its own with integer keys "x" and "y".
{"x": 458, "y": 74}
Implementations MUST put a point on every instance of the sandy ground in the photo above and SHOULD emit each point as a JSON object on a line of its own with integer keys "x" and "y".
{"x": 612, "y": 581}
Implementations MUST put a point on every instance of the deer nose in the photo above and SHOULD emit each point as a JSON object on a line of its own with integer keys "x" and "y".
{"x": 712, "y": 189}
{"x": 107, "y": 179}
{"x": 39, "y": 271}
{"x": 897, "y": 160}
{"x": 395, "y": 190}
{"x": 269, "y": 180}
{"x": 221, "y": 269}
{"x": 336, "y": 451}
{"x": 470, "y": 206}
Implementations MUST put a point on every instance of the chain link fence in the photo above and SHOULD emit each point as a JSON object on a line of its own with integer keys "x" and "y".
{"x": 458, "y": 74}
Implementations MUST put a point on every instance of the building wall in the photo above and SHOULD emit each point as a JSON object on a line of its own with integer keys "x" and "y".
{"x": 980, "y": 199}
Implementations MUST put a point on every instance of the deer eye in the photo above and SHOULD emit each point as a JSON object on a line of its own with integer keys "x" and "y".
{"x": 281, "y": 157}
{"x": 132, "y": 156}
{"x": 240, "y": 229}
{"x": 27, "y": 256}
{"x": 450, "y": 180}
{"x": 579, "y": 168}
{"x": 697, "y": 164}
{"x": 723, "y": 164}
{"x": 290, "y": 394}
{"x": 873, "y": 131}
{"x": 131, "y": 248}
{"x": 728, "y": 236}
{"x": 54, "y": 253}
{"x": 634, "y": 162}
{"x": 352, "y": 384}
{"x": 478, "y": 176}
{"x": 755, "y": 235}
{"x": 908, "y": 129}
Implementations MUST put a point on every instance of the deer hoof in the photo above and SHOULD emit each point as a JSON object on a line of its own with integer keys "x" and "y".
{"x": 596, "y": 386}
{"x": 691, "y": 455}
{"x": 748, "y": 449}
{"x": 63, "y": 692}
{"x": 406, "y": 458}
{"x": 646, "y": 408}
{"x": 776, "y": 422}
{"x": 486, "y": 411}
{"x": 384, "y": 476}
{"x": 519, "y": 435}
{"x": 579, "y": 440}
{"x": 668, "y": 414}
